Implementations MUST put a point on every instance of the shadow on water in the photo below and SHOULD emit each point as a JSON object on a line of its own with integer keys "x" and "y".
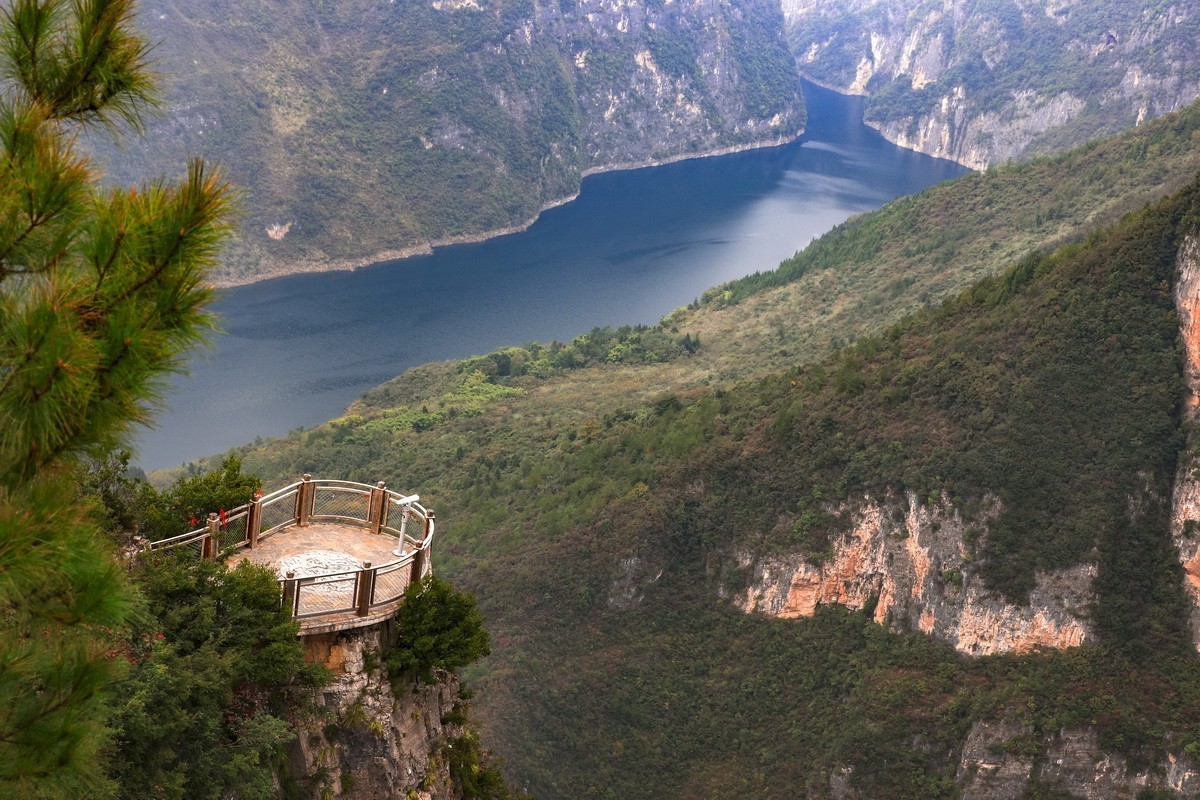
{"x": 632, "y": 247}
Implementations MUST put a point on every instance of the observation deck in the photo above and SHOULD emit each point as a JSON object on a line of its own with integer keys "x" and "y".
{"x": 344, "y": 552}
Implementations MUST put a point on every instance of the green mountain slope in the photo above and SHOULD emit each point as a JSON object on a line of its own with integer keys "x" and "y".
{"x": 631, "y": 669}
{"x": 595, "y": 495}
{"x": 360, "y": 127}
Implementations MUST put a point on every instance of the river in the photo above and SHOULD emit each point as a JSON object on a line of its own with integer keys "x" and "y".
{"x": 635, "y": 245}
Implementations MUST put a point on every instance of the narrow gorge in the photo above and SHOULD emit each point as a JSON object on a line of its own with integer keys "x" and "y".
{"x": 984, "y": 84}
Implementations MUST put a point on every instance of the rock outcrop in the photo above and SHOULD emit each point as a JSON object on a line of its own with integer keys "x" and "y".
{"x": 982, "y": 84}
{"x": 364, "y": 739}
{"x": 1185, "y": 501}
{"x": 988, "y": 769}
{"x": 1003, "y": 760}
{"x": 910, "y": 565}
{"x": 997, "y": 764}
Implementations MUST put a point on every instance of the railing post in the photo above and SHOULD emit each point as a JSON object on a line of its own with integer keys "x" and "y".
{"x": 213, "y": 543}
{"x": 254, "y": 521}
{"x": 289, "y": 594}
{"x": 304, "y": 500}
{"x": 421, "y": 560}
{"x": 366, "y": 589}
{"x": 418, "y": 566}
{"x": 378, "y": 509}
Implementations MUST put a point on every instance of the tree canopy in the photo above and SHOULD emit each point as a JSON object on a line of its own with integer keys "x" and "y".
{"x": 102, "y": 290}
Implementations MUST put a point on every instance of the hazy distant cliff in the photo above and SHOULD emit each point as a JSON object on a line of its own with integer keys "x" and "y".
{"x": 982, "y": 83}
{"x": 362, "y": 127}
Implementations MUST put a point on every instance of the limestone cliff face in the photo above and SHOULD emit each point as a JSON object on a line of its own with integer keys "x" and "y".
{"x": 689, "y": 97}
{"x": 1002, "y": 760}
{"x": 361, "y": 128}
{"x": 912, "y": 565}
{"x": 953, "y": 130}
{"x": 986, "y": 83}
{"x": 992, "y": 768}
{"x": 364, "y": 740}
{"x": 1072, "y": 762}
{"x": 1185, "y": 506}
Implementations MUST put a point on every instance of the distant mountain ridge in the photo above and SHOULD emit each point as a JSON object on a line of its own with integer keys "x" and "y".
{"x": 365, "y": 130}
{"x": 986, "y": 82}
{"x": 361, "y": 129}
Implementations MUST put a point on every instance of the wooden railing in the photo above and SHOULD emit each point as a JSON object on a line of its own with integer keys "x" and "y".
{"x": 374, "y": 508}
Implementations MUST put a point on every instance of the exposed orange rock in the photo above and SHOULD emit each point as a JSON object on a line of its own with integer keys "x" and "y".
{"x": 1187, "y": 303}
{"x": 917, "y": 574}
{"x": 1185, "y": 499}
{"x": 840, "y": 580}
{"x": 983, "y": 629}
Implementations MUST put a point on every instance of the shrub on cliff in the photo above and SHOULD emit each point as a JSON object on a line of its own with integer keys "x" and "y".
{"x": 437, "y": 627}
{"x": 214, "y": 677}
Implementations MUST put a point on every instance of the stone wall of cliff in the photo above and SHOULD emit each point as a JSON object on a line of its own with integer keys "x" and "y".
{"x": 982, "y": 84}
{"x": 1185, "y": 505}
{"x": 910, "y": 565}
{"x": 693, "y": 96}
{"x": 361, "y": 129}
{"x": 365, "y": 739}
{"x": 997, "y": 763}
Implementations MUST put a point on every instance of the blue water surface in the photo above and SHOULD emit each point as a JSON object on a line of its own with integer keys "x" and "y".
{"x": 635, "y": 245}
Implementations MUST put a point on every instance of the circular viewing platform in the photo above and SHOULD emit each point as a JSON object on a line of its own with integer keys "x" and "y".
{"x": 344, "y": 552}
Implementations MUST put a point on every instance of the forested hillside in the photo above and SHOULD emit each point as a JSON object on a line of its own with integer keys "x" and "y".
{"x": 982, "y": 82}
{"x": 607, "y": 498}
{"x": 359, "y": 128}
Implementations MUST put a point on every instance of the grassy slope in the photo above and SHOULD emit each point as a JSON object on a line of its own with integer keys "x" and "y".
{"x": 527, "y": 482}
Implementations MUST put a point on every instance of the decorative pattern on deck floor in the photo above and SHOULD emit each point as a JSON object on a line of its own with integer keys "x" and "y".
{"x": 329, "y": 547}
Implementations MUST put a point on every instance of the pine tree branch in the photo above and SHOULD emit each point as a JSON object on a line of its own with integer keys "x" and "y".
{"x": 15, "y": 370}
{"x": 154, "y": 272}
{"x": 66, "y": 698}
{"x": 102, "y": 271}
{"x": 34, "y": 224}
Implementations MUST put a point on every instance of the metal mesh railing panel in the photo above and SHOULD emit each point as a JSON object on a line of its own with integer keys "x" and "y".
{"x": 339, "y": 503}
{"x": 390, "y": 583}
{"x": 326, "y": 595}
{"x": 195, "y": 546}
{"x": 234, "y": 531}
{"x": 333, "y": 593}
{"x": 394, "y": 521}
{"x": 278, "y": 512}
{"x": 177, "y": 541}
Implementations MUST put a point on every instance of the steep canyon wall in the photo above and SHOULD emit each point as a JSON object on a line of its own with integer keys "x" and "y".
{"x": 1185, "y": 506}
{"x": 363, "y": 129}
{"x": 366, "y": 739}
{"x": 986, "y": 83}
